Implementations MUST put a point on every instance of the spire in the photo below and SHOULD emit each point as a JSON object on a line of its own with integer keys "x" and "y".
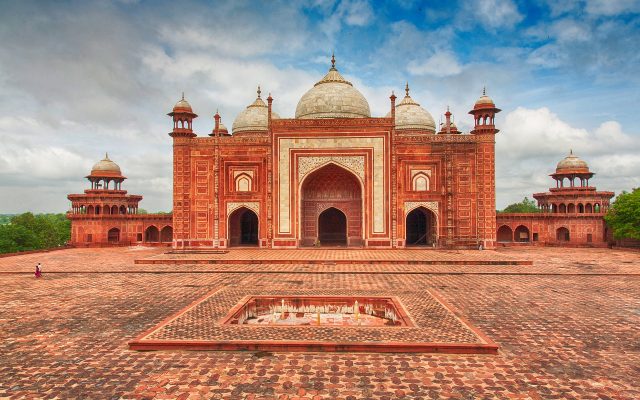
{"x": 570, "y": 152}
{"x": 333, "y": 61}
{"x": 406, "y": 89}
{"x": 259, "y": 91}
{"x": 182, "y": 95}
{"x": 484, "y": 90}
{"x": 106, "y": 155}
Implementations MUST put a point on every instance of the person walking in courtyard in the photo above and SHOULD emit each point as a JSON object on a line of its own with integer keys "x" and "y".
{"x": 38, "y": 272}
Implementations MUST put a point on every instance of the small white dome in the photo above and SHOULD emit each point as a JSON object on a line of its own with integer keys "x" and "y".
{"x": 333, "y": 97}
{"x": 253, "y": 118}
{"x": 572, "y": 163}
{"x": 183, "y": 105}
{"x": 484, "y": 100}
{"x": 409, "y": 115}
{"x": 105, "y": 166}
{"x": 222, "y": 128}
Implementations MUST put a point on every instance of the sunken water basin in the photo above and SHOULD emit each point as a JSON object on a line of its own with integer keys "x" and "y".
{"x": 254, "y": 319}
{"x": 318, "y": 311}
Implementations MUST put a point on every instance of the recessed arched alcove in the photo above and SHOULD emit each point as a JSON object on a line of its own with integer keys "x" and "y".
{"x": 243, "y": 227}
{"x": 421, "y": 227}
{"x": 330, "y": 187}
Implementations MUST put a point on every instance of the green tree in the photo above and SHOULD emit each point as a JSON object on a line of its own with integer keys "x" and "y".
{"x": 5, "y": 218}
{"x": 525, "y": 206}
{"x": 17, "y": 238}
{"x": 32, "y": 232}
{"x": 624, "y": 215}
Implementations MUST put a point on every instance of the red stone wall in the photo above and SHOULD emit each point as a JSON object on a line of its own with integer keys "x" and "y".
{"x": 546, "y": 226}
{"x": 132, "y": 229}
{"x": 462, "y": 184}
{"x": 182, "y": 190}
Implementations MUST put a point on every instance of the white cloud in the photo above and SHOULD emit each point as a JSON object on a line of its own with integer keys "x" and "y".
{"x": 491, "y": 14}
{"x": 561, "y": 7}
{"x": 356, "y": 12}
{"x": 612, "y": 7}
{"x": 532, "y": 141}
{"x": 443, "y": 63}
{"x": 350, "y": 12}
{"x": 24, "y": 165}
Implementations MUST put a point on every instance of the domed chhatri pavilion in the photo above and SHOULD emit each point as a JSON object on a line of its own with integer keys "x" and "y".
{"x": 572, "y": 213}
{"x": 106, "y": 215}
{"x": 334, "y": 175}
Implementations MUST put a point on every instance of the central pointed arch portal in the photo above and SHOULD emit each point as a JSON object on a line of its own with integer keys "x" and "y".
{"x": 331, "y": 205}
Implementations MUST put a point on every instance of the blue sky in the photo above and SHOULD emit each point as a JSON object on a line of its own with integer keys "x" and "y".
{"x": 81, "y": 78}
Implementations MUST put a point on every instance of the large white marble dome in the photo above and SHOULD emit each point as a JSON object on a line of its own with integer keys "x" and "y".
{"x": 333, "y": 97}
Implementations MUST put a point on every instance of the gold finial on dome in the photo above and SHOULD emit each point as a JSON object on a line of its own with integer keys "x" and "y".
{"x": 406, "y": 89}
{"x": 484, "y": 90}
{"x": 259, "y": 91}
{"x": 333, "y": 61}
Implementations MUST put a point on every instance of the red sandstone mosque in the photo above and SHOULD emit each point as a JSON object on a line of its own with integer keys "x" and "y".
{"x": 336, "y": 176}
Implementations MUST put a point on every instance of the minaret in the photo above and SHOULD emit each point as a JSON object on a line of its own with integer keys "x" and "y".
{"x": 484, "y": 112}
{"x": 182, "y": 135}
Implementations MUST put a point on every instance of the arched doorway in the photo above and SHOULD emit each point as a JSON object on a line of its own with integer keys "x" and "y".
{"x": 505, "y": 234}
{"x": 421, "y": 227}
{"x": 113, "y": 236}
{"x": 330, "y": 187}
{"x": 332, "y": 227}
{"x": 151, "y": 234}
{"x": 243, "y": 228}
{"x": 521, "y": 234}
{"x": 562, "y": 234}
{"x": 166, "y": 234}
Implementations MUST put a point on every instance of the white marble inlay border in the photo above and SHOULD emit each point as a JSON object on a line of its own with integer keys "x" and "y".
{"x": 251, "y": 205}
{"x": 429, "y": 205}
{"x": 354, "y": 164}
{"x": 375, "y": 143}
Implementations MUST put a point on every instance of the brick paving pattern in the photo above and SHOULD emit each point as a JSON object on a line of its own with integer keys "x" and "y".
{"x": 560, "y": 336}
{"x": 270, "y": 256}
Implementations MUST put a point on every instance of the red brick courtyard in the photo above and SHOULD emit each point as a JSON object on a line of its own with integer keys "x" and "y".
{"x": 567, "y": 326}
